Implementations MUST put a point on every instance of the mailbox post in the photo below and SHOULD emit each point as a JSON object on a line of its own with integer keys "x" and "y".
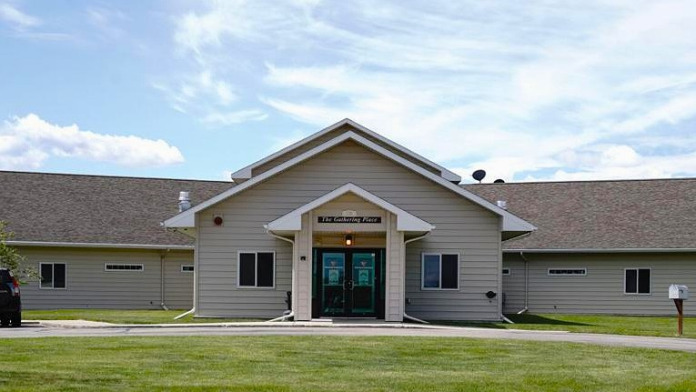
{"x": 679, "y": 293}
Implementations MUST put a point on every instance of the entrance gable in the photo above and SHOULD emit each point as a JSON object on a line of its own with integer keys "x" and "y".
{"x": 405, "y": 221}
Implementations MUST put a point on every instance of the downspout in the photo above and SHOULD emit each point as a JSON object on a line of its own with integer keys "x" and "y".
{"x": 284, "y": 317}
{"x": 406, "y": 316}
{"x": 526, "y": 283}
{"x": 162, "y": 304}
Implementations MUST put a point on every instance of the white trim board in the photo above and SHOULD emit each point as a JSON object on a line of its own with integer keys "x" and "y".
{"x": 245, "y": 173}
{"x": 510, "y": 221}
{"x": 404, "y": 221}
{"x": 606, "y": 250}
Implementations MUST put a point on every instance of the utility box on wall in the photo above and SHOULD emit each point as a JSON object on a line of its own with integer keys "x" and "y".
{"x": 678, "y": 291}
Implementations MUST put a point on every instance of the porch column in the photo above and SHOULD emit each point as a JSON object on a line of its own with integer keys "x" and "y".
{"x": 302, "y": 271}
{"x": 395, "y": 272}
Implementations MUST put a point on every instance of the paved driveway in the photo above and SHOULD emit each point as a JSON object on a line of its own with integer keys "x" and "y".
{"x": 355, "y": 330}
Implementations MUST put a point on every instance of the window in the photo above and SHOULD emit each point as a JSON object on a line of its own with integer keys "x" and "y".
{"x": 506, "y": 271}
{"x": 567, "y": 271}
{"x": 637, "y": 281}
{"x": 256, "y": 269}
{"x": 53, "y": 275}
{"x": 124, "y": 267}
{"x": 186, "y": 268}
{"x": 440, "y": 271}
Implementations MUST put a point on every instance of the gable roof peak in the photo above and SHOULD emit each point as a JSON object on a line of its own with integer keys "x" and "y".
{"x": 247, "y": 172}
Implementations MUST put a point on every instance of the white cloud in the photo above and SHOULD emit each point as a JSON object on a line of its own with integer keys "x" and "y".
{"x": 231, "y": 118}
{"x": 17, "y": 18}
{"x": 528, "y": 90}
{"x": 26, "y": 142}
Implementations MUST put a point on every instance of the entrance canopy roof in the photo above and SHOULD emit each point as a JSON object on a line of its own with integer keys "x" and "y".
{"x": 404, "y": 221}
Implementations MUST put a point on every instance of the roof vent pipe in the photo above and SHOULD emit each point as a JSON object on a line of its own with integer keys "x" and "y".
{"x": 502, "y": 204}
{"x": 184, "y": 201}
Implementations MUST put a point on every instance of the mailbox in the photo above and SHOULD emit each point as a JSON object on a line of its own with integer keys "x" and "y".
{"x": 678, "y": 291}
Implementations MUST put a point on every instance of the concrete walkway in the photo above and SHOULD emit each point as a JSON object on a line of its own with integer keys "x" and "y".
{"x": 72, "y": 328}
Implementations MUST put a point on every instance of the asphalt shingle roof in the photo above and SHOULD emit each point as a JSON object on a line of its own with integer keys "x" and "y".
{"x": 96, "y": 209}
{"x": 640, "y": 214}
{"x": 623, "y": 214}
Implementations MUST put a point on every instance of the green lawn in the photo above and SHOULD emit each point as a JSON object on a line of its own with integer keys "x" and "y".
{"x": 121, "y": 316}
{"x": 336, "y": 363}
{"x": 622, "y": 325}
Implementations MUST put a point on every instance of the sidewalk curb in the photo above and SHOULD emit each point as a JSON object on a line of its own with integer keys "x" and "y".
{"x": 263, "y": 324}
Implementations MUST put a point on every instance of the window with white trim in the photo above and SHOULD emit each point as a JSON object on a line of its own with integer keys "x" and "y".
{"x": 256, "y": 269}
{"x": 53, "y": 275}
{"x": 506, "y": 271}
{"x": 123, "y": 267}
{"x": 567, "y": 271}
{"x": 637, "y": 281}
{"x": 440, "y": 271}
{"x": 187, "y": 268}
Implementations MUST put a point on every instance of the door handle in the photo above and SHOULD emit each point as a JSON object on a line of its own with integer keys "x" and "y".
{"x": 347, "y": 285}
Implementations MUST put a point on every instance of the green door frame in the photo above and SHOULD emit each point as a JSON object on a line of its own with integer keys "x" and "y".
{"x": 348, "y": 283}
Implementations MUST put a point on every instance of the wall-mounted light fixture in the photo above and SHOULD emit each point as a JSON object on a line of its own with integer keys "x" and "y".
{"x": 349, "y": 240}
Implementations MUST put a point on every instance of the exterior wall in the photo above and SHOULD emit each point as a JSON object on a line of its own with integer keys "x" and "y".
{"x": 90, "y": 286}
{"x": 462, "y": 227}
{"x": 602, "y": 289}
{"x": 324, "y": 138}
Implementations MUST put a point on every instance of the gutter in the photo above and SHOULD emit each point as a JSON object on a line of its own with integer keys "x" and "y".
{"x": 406, "y": 315}
{"x": 97, "y": 245}
{"x": 162, "y": 304}
{"x": 526, "y": 284}
{"x": 285, "y": 316}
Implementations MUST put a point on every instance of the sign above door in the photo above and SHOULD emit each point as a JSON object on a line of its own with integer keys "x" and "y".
{"x": 349, "y": 219}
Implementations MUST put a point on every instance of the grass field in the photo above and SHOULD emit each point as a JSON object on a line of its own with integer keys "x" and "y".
{"x": 336, "y": 364}
{"x": 121, "y": 316}
{"x": 621, "y": 325}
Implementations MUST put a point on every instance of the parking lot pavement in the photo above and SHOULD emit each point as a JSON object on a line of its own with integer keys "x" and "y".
{"x": 41, "y": 331}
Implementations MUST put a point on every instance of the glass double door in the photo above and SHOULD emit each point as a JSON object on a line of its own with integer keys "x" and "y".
{"x": 350, "y": 282}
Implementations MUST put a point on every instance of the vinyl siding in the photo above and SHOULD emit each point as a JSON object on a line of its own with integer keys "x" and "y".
{"x": 602, "y": 289}
{"x": 88, "y": 285}
{"x": 462, "y": 226}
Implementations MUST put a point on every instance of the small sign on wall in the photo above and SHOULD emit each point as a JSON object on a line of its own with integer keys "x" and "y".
{"x": 349, "y": 219}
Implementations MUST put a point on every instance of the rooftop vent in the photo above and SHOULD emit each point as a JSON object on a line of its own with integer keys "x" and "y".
{"x": 184, "y": 201}
{"x": 502, "y": 204}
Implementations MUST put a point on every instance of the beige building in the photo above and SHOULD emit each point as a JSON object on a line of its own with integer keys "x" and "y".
{"x": 347, "y": 223}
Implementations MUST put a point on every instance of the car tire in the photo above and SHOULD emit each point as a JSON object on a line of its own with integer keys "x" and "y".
{"x": 4, "y": 320}
{"x": 16, "y": 319}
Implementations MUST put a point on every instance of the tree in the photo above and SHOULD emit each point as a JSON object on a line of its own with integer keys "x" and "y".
{"x": 10, "y": 257}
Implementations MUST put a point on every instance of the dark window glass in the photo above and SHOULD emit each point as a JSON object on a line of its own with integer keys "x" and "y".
{"x": 47, "y": 275}
{"x": 644, "y": 281}
{"x": 449, "y": 271}
{"x": 431, "y": 271}
{"x": 631, "y": 281}
{"x": 59, "y": 276}
{"x": 265, "y": 269}
{"x": 247, "y": 269}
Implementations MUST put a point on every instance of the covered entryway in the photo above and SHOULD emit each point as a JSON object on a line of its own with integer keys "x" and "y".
{"x": 332, "y": 279}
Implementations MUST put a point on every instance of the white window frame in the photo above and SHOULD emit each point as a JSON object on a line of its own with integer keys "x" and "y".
{"x": 637, "y": 280}
{"x": 439, "y": 254}
{"x": 141, "y": 269}
{"x": 53, "y": 276}
{"x": 183, "y": 266}
{"x": 256, "y": 269}
{"x": 506, "y": 272}
{"x": 584, "y": 269}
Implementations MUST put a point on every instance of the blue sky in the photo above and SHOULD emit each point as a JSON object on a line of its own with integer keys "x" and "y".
{"x": 527, "y": 91}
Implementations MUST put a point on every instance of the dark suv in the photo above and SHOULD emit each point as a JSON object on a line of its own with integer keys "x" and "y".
{"x": 10, "y": 302}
